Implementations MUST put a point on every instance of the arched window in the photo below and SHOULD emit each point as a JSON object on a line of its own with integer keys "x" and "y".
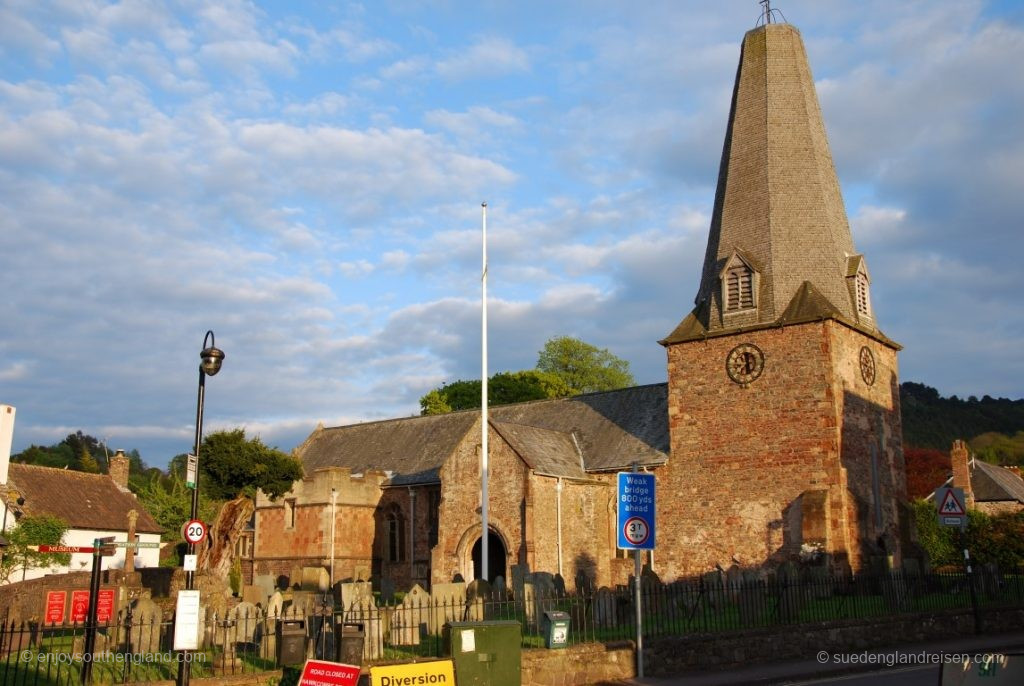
{"x": 395, "y": 525}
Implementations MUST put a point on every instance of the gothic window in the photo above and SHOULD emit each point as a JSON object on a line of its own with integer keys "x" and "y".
{"x": 395, "y": 525}
{"x": 863, "y": 295}
{"x": 739, "y": 288}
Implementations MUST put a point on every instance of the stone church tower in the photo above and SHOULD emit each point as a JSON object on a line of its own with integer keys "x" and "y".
{"x": 783, "y": 394}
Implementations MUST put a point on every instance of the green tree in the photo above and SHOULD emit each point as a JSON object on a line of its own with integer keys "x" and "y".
{"x": 88, "y": 463}
{"x": 234, "y": 465}
{"x": 583, "y": 367}
{"x": 503, "y": 388}
{"x": 170, "y": 502}
{"x": 32, "y": 530}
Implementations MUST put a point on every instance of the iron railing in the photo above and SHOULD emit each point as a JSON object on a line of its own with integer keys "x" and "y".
{"x": 247, "y": 640}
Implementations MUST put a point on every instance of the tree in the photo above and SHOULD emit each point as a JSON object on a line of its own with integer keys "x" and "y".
{"x": 33, "y": 530}
{"x": 583, "y": 367}
{"x": 234, "y": 465}
{"x": 503, "y": 388}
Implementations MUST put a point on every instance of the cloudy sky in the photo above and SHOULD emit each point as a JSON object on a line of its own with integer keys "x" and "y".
{"x": 305, "y": 179}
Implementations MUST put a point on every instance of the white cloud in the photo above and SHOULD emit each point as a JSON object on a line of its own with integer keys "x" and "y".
{"x": 488, "y": 57}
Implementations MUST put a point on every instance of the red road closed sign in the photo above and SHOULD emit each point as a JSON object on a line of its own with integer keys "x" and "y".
{"x": 324, "y": 673}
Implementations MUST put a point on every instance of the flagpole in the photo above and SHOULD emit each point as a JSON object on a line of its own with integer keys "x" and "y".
{"x": 484, "y": 466}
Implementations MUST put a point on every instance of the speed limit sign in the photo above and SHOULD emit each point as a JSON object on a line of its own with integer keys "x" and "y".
{"x": 194, "y": 531}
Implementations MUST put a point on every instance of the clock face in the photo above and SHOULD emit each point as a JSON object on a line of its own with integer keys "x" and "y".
{"x": 867, "y": 365}
{"x": 744, "y": 363}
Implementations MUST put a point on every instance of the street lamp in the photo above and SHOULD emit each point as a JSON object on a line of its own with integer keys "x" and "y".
{"x": 211, "y": 357}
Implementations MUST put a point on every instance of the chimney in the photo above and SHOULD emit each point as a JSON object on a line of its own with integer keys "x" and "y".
{"x": 962, "y": 471}
{"x": 118, "y": 469}
{"x": 6, "y": 438}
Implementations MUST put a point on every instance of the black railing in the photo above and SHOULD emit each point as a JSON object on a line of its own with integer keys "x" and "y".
{"x": 139, "y": 648}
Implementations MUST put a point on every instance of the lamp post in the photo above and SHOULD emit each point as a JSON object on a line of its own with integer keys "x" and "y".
{"x": 211, "y": 357}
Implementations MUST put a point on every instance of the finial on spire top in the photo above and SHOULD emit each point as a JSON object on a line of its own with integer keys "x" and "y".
{"x": 767, "y": 13}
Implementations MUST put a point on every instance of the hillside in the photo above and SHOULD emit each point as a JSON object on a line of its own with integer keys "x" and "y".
{"x": 932, "y": 421}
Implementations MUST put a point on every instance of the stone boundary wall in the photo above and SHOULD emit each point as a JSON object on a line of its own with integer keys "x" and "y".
{"x": 670, "y": 656}
{"x": 24, "y": 601}
{"x": 586, "y": 663}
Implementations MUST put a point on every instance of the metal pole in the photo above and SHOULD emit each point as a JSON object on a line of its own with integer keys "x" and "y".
{"x": 637, "y": 570}
{"x": 185, "y": 666}
{"x": 970, "y": 583}
{"x": 90, "y": 622}
{"x": 334, "y": 503}
{"x": 484, "y": 463}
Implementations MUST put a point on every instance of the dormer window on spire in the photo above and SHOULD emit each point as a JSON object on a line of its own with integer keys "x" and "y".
{"x": 739, "y": 285}
{"x": 860, "y": 289}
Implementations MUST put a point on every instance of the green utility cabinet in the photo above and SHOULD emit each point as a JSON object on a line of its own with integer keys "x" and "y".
{"x": 485, "y": 653}
{"x": 556, "y": 629}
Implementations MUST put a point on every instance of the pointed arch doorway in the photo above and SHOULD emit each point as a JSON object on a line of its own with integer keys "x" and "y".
{"x": 497, "y": 557}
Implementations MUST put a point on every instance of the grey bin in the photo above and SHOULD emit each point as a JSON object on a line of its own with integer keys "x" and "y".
{"x": 291, "y": 641}
{"x": 556, "y": 629}
{"x": 348, "y": 643}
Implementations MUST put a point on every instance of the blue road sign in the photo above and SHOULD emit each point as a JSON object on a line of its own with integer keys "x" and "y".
{"x": 635, "y": 519}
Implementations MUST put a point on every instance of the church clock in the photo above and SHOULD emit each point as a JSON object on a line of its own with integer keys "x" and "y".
{"x": 744, "y": 363}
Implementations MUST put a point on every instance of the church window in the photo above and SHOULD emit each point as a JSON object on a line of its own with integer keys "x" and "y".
{"x": 433, "y": 516}
{"x": 739, "y": 288}
{"x": 395, "y": 525}
{"x": 863, "y": 296}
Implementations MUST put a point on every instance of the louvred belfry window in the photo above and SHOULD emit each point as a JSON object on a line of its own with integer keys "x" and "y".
{"x": 739, "y": 288}
{"x": 863, "y": 297}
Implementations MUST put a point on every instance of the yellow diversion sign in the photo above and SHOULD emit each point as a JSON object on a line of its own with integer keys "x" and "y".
{"x": 436, "y": 673}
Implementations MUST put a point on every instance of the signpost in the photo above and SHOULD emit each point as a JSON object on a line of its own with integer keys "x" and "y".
{"x": 951, "y": 511}
{"x": 635, "y": 524}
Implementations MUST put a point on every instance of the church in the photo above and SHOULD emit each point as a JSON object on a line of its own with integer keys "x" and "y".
{"x": 776, "y": 437}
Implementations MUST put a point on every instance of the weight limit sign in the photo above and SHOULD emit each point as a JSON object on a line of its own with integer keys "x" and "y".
{"x": 635, "y": 517}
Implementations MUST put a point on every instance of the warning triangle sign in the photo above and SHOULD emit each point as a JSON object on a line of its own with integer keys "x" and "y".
{"x": 950, "y": 505}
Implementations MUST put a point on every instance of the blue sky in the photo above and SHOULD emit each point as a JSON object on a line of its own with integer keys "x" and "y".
{"x": 305, "y": 179}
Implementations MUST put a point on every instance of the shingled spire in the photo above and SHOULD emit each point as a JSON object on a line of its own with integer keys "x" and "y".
{"x": 779, "y": 249}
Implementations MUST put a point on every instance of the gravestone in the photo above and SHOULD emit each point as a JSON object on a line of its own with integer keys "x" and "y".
{"x": 478, "y": 593}
{"x": 353, "y": 592}
{"x": 449, "y": 601}
{"x": 144, "y": 634}
{"x": 315, "y": 579}
{"x": 245, "y": 617}
{"x": 410, "y": 619}
{"x": 752, "y": 599}
{"x": 604, "y": 608}
{"x": 364, "y": 611}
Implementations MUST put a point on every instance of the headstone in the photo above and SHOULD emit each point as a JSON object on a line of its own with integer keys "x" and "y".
{"x": 790, "y": 590}
{"x": 387, "y": 591}
{"x": 245, "y": 617}
{"x": 411, "y": 618}
{"x": 144, "y": 633}
{"x": 275, "y": 605}
{"x": 478, "y": 593}
{"x": 752, "y": 599}
{"x": 354, "y": 591}
{"x": 266, "y": 584}
{"x": 604, "y": 608}
{"x": 315, "y": 579}
{"x": 364, "y": 611}
{"x": 449, "y": 602}
{"x": 519, "y": 574}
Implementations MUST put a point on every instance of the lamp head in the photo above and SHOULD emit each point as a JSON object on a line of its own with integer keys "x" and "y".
{"x": 212, "y": 356}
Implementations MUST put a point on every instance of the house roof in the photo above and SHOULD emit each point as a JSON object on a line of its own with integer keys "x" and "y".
{"x": 993, "y": 483}
{"x": 613, "y": 430}
{"x": 84, "y": 501}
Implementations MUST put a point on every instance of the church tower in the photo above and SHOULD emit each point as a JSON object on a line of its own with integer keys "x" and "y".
{"x": 783, "y": 393}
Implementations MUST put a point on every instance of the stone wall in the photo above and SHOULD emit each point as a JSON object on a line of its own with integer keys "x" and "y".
{"x": 587, "y": 663}
{"x": 677, "y": 655}
{"x": 25, "y": 601}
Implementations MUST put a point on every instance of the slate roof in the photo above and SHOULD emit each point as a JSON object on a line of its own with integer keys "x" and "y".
{"x": 84, "y": 501}
{"x": 552, "y": 453}
{"x": 993, "y": 483}
{"x": 612, "y": 429}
